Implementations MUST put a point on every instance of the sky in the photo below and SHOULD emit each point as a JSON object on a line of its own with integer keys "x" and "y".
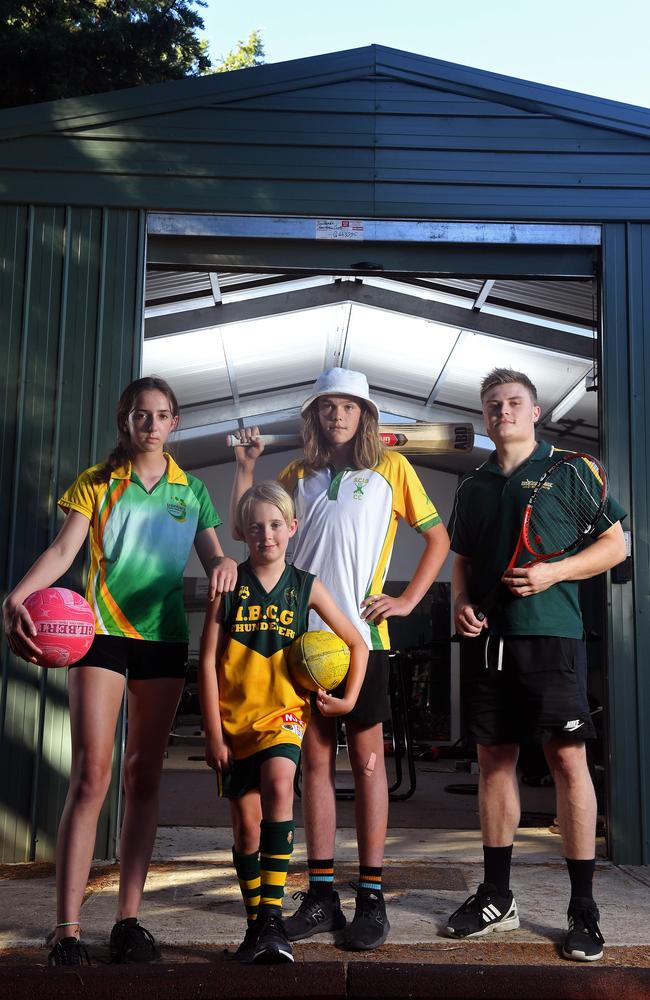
{"x": 597, "y": 47}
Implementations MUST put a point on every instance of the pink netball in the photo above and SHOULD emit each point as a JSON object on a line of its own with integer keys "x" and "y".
{"x": 65, "y": 625}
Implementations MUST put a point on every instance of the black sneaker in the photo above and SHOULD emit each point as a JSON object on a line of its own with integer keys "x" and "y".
{"x": 246, "y": 951}
{"x": 483, "y": 913}
{"x": 69, "y": 951}
{"x": 369, "y": 928}
{"x": 584, "y": 940}
{"x": 315, "y": 915}
{"x": 272, "y": 943}
{"x": 131, "y": 942}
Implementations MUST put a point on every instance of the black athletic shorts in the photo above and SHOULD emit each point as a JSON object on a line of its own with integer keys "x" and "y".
{"x": 373, "y": 703}
{"x": 244, "y": 775}
{"x": 142, "y": 659}
{"x": 532, "y": 689}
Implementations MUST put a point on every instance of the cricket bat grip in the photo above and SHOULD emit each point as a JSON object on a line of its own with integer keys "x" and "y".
{"x": 287, "y": 440}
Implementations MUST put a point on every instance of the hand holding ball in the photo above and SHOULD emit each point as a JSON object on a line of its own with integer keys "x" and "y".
{"x": 65, "y": 625}
{"x": 318, "y": 660}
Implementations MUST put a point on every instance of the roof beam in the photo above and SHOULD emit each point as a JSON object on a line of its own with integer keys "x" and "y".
{"x": 216, "y": 290}
{"x": 260, "y": 307}
{"x": 486, "y": 288}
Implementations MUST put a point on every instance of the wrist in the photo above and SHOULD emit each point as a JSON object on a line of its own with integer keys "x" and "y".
{"x": 10, "y": 603}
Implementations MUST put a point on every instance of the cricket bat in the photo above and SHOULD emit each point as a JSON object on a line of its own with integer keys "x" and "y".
{"x": 410, "y": 439}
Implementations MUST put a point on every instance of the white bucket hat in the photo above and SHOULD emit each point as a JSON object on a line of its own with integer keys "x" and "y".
{"x": 341, "y": 382}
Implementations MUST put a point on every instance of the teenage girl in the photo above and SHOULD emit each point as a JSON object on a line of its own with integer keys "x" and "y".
{"x": 144, "y": 514}
{"x": 349, "y": 495}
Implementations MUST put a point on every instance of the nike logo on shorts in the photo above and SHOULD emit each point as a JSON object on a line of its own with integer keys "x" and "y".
{"x": 570, "y": 727}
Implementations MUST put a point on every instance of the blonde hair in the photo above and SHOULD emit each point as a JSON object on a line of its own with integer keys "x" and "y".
{"x": 368, "y": 449}
{"x": 504, "y": 376}
{"x": 266, "y": 492}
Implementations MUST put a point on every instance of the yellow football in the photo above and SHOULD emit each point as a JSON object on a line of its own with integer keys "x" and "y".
{"x": 318, "y": 660}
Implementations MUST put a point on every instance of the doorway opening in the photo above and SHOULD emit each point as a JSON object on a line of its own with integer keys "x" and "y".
{"x": 241, "y": 321}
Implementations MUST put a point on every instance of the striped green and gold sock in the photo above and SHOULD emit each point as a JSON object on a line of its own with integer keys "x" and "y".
{"x": 370, "y": 878}
{"x": 276, "y": 846}
{"x": 247, "y": 867}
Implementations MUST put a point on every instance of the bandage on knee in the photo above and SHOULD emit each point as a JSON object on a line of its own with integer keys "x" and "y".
{"x": 370, "y": 764}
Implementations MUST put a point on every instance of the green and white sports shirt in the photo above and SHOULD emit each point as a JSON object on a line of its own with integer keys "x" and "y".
{"x": 139, "y": 545}
{"x": 347, "y": 522}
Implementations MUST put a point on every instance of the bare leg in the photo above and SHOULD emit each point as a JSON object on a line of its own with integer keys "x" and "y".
{"x": 318, "y": 794}
{"x": 277, "y": 776}
{"x": 152, "y": 705}
{"x": 366, "y": 747}
{"x": 95, "y": 696}
{"x": 246, "y": 816}
{"x": 576, "y": 799}
{"x": 499, "y": 804}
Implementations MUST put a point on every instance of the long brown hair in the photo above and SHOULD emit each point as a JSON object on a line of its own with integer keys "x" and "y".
{"x": 122, "y": 452}
{"x": 318, "y": 452}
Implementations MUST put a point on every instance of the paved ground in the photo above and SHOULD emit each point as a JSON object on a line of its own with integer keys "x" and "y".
{"x": 192, "y": 903}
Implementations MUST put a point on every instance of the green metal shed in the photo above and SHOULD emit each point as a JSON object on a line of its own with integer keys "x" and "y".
{"x": 498, "y": 169}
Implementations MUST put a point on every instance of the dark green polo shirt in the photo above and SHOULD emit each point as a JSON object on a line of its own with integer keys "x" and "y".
{"x": 484, "y": 527}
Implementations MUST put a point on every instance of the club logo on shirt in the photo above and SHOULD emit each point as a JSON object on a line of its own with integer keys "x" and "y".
{"x": 290, "y": 596}
{"x": 244, "y": 592}
{"x": 292, "y": 724}
{"x": 530, "y": 484}
{"x": 177, "y": 508}
{"x": 360, "y": 484}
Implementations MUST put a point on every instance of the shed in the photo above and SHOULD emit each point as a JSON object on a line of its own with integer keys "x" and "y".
{"x": 348, "y": 164}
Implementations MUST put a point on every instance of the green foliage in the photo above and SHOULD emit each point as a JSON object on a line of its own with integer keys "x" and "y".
{"x": 249, "y": 52}
{"x": 67, "y": 48}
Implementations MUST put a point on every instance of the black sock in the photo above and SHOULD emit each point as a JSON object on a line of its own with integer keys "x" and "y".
{"x": 321, "y": 876}
{"x": 369, "y": 879}
{"x": 581, "y": 874}
{"x": 496, "y": 863}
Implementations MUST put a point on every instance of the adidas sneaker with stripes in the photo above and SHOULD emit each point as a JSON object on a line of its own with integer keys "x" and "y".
{"x": 483, "y": 913}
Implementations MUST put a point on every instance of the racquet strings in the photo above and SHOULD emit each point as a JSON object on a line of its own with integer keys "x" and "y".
{"x": 566, "y": 506}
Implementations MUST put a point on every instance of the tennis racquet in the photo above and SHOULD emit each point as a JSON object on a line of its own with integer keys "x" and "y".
{"x": 563, "y": 510}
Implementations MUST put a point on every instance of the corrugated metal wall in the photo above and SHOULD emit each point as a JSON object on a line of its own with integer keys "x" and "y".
{"x": 370, "y": 133}
{"x": 71, "y": 308}
{"x": 626, "y": 432}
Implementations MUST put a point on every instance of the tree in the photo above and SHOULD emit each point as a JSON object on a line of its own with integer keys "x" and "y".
{"x": 68, "y": 48}
{"x": 249, "y": 52}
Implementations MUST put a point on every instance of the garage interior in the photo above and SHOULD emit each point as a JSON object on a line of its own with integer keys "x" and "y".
{"x": 241, "y": 346}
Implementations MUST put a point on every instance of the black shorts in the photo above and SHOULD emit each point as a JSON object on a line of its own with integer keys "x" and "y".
{"x": 373, "y": 703}
{"x": 244, "y": 775}
{"x": 533, "y": 688}
{"x": 142, "y": 659}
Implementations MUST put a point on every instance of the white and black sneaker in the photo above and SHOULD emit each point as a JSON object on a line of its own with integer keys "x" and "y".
{"x": 272, "y": 945}
{"x": 483, "y": 913}
{"x": 584, "y": 940}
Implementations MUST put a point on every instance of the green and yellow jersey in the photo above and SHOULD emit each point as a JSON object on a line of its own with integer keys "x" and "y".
{"x": 139, "y": 545}
{"x": 346, "y": 529}
{"x": 259, "y": 704}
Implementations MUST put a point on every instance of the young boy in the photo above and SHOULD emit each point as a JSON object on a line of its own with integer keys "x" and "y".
{"x": 254, "y": 717}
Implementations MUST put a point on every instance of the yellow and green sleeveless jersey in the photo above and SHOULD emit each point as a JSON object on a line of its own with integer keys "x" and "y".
{"x": 346, "y": 529}
{"x": 139, "y": 545}
{"x": 259, "y": 704}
